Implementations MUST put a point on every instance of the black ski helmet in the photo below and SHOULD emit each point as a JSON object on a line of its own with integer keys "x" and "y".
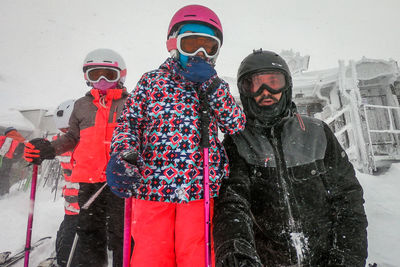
{"x": 260, "y": 61}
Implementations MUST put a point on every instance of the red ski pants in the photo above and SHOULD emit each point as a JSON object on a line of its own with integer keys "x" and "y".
{"x": 169, "y": 234}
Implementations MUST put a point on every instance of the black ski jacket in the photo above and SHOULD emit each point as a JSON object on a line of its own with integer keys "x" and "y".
{"x": 292, "y": 199}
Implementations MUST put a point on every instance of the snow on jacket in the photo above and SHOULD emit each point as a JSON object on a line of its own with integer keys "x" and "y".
{"x": 292, "y": 197}
{"x": 161, "y": 121}
{"x": 91, "y": 126}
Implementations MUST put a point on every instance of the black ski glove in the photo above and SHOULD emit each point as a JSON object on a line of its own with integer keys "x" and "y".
{"x": 236, "y": 253}
{"x": 37, "y": 150}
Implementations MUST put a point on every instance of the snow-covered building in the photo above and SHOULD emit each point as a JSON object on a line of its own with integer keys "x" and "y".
{"x": 359, "y": 101}
{"x": 31, "y": 123}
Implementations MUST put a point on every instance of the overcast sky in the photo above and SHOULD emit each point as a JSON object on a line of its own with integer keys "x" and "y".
{"x": 43, "y": 42}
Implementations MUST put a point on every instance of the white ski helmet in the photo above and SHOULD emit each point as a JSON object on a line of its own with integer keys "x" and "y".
{"x": 104, "y": 57}
{"x": 63, "y": 113}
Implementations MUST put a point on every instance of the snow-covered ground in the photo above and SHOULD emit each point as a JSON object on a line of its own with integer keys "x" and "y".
{"x": 47, "y": 217}
{"x": 382, "y": 206}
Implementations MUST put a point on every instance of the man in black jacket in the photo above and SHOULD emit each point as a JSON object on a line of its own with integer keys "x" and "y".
{"x": 292, "y": 198}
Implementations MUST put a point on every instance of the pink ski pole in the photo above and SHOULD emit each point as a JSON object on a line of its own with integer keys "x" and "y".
{"x": 130, "y": 157}
{"x": 205, "y": 144}
{"x": 127, "y": 233}
{"x": 30, "y": 216}
{"x": 206, "y": 206}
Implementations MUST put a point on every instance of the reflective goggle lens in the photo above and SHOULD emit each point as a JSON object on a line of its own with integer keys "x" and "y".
{"x": 190, "y": 43}
{"x": 274, "y": 82}
{"x": 110, "y": 74}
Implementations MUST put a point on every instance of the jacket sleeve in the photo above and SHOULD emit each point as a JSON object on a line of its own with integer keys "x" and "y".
{"x": 349, "y": 235}
{"x": 127, "y": 133}
{"x": 69, "y": 140}
{"x": 229, "y": 115}
{"x": 19, "y": 151}
{"x": 233, "y": 225}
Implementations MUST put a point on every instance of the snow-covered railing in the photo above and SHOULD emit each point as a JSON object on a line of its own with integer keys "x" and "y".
{"x": 387, "y": 139}
{"x": 344, "y": 132}
{"x": 336, "y": 115}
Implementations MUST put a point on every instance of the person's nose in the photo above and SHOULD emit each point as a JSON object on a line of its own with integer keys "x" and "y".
{"x": 265, "y": 92}
{"x": 201, "y": 54}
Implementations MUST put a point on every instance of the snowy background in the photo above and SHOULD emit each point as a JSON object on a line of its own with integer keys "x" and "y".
{"x": 43, "y": 44}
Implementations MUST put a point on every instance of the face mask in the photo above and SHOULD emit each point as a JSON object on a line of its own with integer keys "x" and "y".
{"x": 104, "y": 85}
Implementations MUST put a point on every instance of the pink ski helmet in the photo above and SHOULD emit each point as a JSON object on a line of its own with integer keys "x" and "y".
{"x": 195, "y": 14}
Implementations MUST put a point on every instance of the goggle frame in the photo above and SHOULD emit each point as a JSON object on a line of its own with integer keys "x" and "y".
{"x": 200, "y": 49}
{"x": 102, "y": 76}
{"x": 263, "y": 86}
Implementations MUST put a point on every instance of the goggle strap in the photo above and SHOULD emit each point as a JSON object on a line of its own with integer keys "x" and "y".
{"x": 172, "y": 44}
{"x": 103, "y": 64}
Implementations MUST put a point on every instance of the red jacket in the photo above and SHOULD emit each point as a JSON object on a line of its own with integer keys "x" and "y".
{"x": 8, "y": 146}
{"x": 92, "y": 122}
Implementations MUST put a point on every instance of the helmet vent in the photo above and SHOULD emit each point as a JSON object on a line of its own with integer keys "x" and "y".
{"x": 189, "y": 15}
{"x": 60, "y": 113}
{"x": 214, "y": 21}
{"x": 107, "y": 61}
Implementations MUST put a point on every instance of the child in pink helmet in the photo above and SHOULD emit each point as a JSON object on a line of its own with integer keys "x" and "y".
{"x": 161, "y": 123}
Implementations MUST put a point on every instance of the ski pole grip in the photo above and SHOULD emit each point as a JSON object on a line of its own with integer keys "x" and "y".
{"x": 204, "y": 112}
{"x": 205, "y": 123}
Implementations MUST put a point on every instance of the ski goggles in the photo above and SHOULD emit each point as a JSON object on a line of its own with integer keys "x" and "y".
{"x": 109, "y": 74}
{"x": 254, "y": 85}
{"x": 191, "y": 43}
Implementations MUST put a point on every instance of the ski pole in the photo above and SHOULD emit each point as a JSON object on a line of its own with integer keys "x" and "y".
{"x": 30, "y": 216}
{"x": 84, "y": 207}
{"x": 127, "y": 233}
{"x": 207, "y": 207}
{"x": 130, "y": 157}
{"x": 205, "y": 144}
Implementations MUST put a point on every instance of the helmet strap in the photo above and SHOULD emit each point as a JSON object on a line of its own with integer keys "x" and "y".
{"x": 173, "y": 52}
